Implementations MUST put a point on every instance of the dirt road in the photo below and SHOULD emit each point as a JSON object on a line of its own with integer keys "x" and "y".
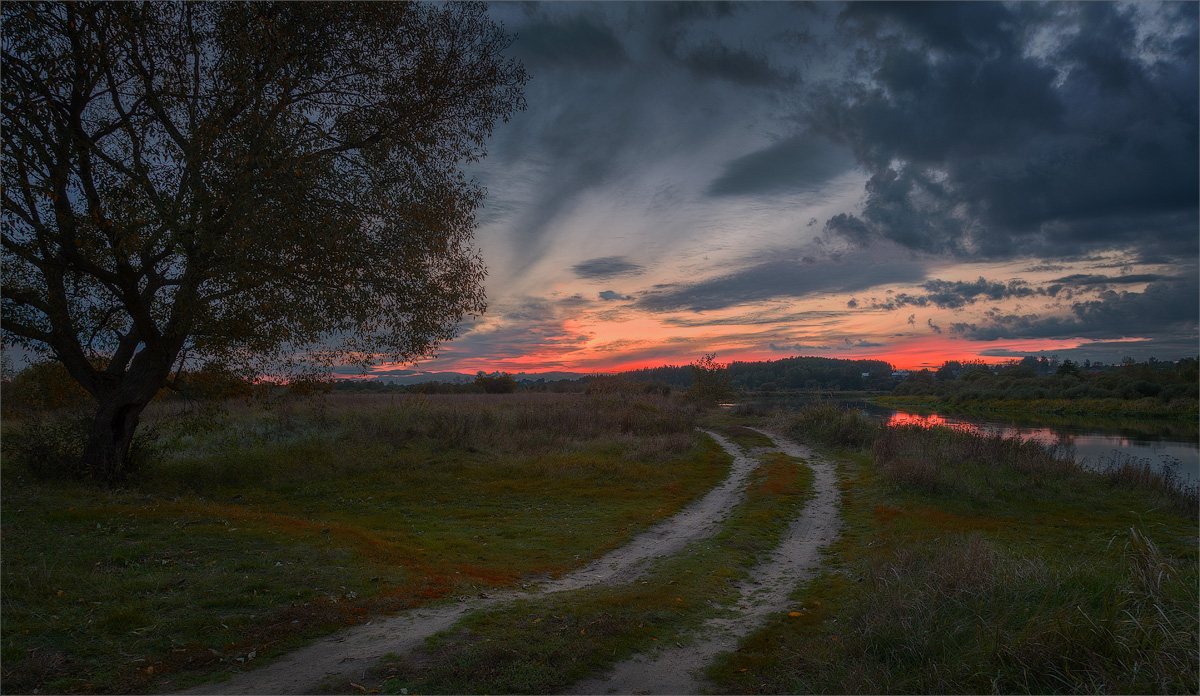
{"x": 676, "y": 671}
{"x": 348, "y": 654}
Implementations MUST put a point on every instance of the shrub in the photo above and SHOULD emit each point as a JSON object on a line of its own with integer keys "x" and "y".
{"x": 832, "y": 425}
{"x": 40, "y": 387}
{"x": 710, "y": 381}
{"x": 50, "y": 447}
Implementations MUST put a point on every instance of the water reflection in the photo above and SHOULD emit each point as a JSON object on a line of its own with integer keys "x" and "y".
{"x": 1092, "y": 448}
{"x": 1094, "y": 441}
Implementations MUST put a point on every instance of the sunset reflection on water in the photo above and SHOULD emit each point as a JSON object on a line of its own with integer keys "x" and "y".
{"x": 1089, "y": 448}
{"x": 1044, "y": 435}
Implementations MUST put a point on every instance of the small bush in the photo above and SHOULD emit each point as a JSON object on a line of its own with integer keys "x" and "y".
{"x": 832, "y": 425}
{"x": 50, "y": 446}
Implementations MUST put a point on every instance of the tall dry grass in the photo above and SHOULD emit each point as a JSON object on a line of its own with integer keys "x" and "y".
{"x": 319, "y": 438}
{"x": 964, "y": 617}
{"x": 980, "y": 468}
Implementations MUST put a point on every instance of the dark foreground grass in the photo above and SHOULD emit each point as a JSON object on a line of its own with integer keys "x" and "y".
{"x": 544, "y": 644}
{"x": 258, "y": 530}
{"x": 1026, "y": 576}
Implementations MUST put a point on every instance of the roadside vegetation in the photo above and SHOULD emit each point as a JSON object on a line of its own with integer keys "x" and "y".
{"x": 250, "y": 529}
{"x": 971, "y": 564}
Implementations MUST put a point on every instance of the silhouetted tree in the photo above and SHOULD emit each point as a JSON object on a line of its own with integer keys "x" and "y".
{"x": 240, "y": 182}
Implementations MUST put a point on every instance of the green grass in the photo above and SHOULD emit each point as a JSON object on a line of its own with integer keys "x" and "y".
{"x": 259, "y": 529}
{"x": 968, "y": 565}
{"x": 544, "y": 644}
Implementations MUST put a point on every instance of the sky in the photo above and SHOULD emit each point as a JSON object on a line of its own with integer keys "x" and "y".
{"x": 906, "y": 182}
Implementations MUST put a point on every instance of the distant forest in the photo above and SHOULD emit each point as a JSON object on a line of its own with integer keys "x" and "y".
{"x": 809, "y": 373}
{"x": 1169, "y": 382}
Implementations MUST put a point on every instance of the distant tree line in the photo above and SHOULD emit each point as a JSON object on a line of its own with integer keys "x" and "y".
{"x": 1041, "y": 378}
{"x": 801, "y": 373}
{"x": 46, "y": 386}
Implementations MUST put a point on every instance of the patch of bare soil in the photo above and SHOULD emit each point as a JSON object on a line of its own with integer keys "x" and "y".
{"x": 676, "y": 671}
{"x": 348, "y": 654}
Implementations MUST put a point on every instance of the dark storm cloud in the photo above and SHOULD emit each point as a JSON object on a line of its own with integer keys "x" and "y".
{"x": 1167, "y": 308}
{"x": 607, "y": 267}
{"x": 715, "y": 60}
{"x": 764, "y": 317}
{"x": 796, "y": 164}
{"x": 778, "y": 278}
{"x": 1093, "y": 280}
{"x": 578, "y": 42}
{"x": 985, "y": 138}
{"x": 957, "y": 294}
{"x": 946, "y": 294}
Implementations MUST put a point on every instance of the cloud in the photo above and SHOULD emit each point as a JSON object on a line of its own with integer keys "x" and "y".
{"x": 768, "y": 316}
{"x": 607, "y": 267}
{"x": 613, "y": 295}
{"x": 798, "y": 348}
{"x": 1094, "y": 280}
{"x": 578, "y": 42}
{"x": 862, "y": 343}
{"x": 1169, "y": 308}
{"x": 716, "y": 60}
{"x": 999, "y": 130}
{"x": 958, "y": 294}
{"x": 936, "y": 329}
{"x": 785, "y": 277}
{"x": 799, "y": 163}
{"x": 846, "y": 344}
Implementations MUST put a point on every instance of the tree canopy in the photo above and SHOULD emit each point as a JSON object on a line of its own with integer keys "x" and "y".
{"x": 249, "y": 184}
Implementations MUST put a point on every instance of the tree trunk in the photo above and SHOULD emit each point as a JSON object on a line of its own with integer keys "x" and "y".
{"x": 106, "y": 456}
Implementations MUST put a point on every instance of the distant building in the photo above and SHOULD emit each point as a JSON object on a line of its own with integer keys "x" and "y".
{"x": 899, "y": 375}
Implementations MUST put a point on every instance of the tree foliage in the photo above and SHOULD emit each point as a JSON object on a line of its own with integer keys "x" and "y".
{"x": 499, "y": 383}
{"x": 710, "y": 381}
{"x": 251, "y": 184}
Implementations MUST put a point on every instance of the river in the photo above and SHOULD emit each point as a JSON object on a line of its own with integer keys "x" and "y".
{"x": 1096, "y": 442}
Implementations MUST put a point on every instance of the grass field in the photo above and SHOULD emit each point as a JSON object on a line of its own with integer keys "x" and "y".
{"x": 966, "y": 564}
{"x": 256, "y": 529}
{"x": 983, "y": 565}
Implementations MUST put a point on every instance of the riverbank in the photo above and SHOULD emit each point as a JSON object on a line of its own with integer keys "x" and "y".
{"x": 980, "y": 565}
